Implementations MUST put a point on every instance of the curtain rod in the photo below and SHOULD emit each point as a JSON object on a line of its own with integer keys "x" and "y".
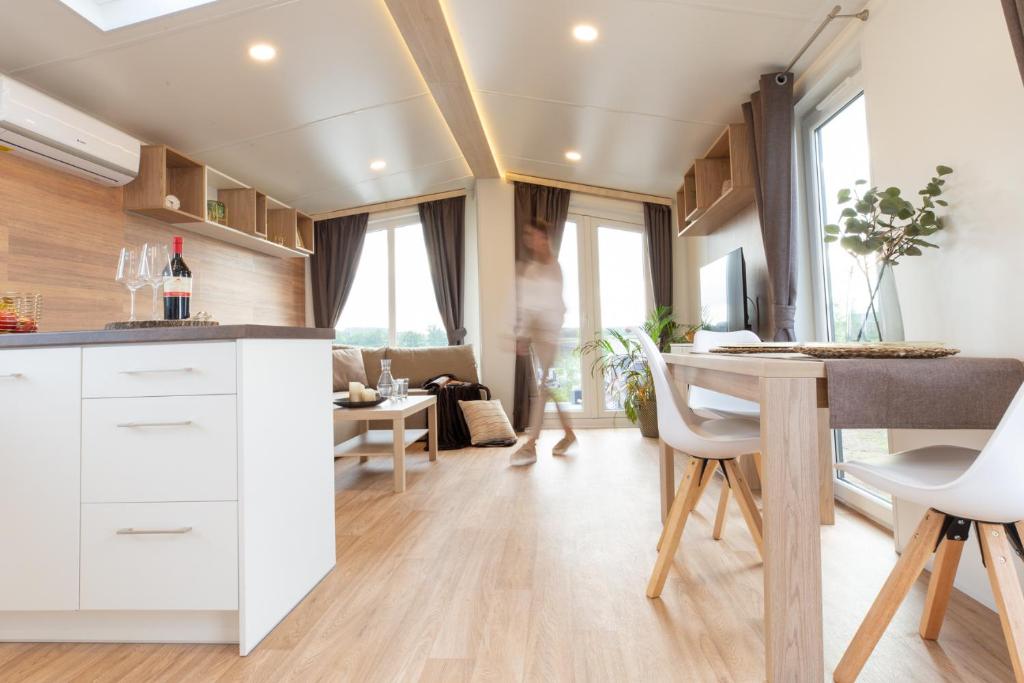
{"x": 782, "y": 77}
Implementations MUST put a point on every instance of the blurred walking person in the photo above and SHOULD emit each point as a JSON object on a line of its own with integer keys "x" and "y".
{"x": 538, "y": 328}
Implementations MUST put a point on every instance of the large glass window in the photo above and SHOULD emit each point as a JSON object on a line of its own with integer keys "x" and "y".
{"x": 605, "y": 287}
{"x": 392, "y": 299}
{"x": 840, "y": 157}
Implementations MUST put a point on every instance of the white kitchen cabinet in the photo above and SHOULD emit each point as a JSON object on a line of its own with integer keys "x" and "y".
{"x": 164, "y": 492}
{"x": 40, "y": 409}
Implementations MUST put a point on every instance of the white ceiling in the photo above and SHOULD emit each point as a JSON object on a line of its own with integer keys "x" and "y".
{"x": 650, "y": 94}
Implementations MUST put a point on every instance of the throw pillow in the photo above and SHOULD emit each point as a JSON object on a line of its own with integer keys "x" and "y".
{"x": 348, "y": 367}
{"x": 488, "y": 424}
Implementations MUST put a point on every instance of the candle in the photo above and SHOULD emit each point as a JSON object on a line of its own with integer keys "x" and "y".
{"x": 355, "y": 391}
{"x": 369, "y": 395}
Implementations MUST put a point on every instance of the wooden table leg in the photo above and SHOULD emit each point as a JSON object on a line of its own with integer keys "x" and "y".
{"x": 826, "y": 460}
{"x": 432, "y": 428}
{"x": 398, "y": 428}
{"x": 667, "y": 477}
{"x": 794, "y": 650}
{"x": 363, "y": 459}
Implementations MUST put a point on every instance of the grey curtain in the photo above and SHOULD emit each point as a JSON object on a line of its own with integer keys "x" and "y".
{"x": 533, "y": 202}
{"x": 658, "y": 231}
{"x": 444, "y": 232}
{"x": 339, "y": 243}
{"x": 1014, "y": 11}
{"x": 769, "y": 117}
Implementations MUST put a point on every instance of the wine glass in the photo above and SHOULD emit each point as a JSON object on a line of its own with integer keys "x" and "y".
{"x": 132, "y": 273}
{"x": 157, "y": 258}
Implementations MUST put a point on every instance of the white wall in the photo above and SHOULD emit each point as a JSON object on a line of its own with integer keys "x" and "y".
{"x": 471, "y": 313}
{"x": 967, "y": 293}
{"x": 496, "y": 253}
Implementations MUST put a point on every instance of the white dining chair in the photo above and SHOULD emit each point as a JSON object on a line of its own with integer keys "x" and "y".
{"x": 712, "y": 403}
{"x": 963, "y": 489}
{"x": 710, "y": 442}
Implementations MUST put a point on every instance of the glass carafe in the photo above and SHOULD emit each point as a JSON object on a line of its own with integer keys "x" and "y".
{"x": 386, "y": 383}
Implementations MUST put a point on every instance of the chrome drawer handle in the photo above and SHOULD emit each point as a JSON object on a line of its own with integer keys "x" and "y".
{"x": 181, "y": 423}
{"x": 131, "y": 531}
{"x": 11, "y": 375}
{"x": 141, "y": 372}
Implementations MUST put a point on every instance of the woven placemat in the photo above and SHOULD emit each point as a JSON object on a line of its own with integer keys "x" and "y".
{"x": 145, "y": 324}
{"x": 766, "y": 347}
{"x": 847, "y": 350}
{"x": 879, "y": 350}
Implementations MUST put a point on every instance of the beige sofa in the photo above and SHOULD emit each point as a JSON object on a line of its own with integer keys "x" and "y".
{"x": 418, "y": 365}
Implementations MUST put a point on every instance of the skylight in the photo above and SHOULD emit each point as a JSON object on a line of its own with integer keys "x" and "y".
{"x": 108, "y": 15}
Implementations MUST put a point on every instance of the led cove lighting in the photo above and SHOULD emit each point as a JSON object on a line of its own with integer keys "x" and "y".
{"x": 262, "y": 52}
{"x": 573, "y": 155}
{"x": 584, "y": 33}
{"x": 378, "y": 165}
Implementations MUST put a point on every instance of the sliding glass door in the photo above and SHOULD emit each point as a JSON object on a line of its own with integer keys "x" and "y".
{"x": 607, "y": 286}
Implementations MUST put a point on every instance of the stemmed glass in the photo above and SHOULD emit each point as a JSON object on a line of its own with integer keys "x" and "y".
{"x": 157, "y": 258}
{"x": 133, "y": 273}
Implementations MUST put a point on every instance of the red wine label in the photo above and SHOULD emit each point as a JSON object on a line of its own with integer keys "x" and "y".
{"x": 177, "y": 286}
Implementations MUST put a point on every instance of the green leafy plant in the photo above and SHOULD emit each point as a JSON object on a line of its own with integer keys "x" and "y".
{"x": 885, "y": 224}
{"x": 620, "y": 358}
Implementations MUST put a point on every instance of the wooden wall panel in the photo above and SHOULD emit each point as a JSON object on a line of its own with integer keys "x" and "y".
{"x": 60, "y": 235}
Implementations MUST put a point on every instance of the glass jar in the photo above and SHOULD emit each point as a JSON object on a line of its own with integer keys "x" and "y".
{"x": 386, "y": 383}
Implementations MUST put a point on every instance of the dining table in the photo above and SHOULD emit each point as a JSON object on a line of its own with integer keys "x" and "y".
{"x": 796, "y": 491}
{"x": 793, "y": 392}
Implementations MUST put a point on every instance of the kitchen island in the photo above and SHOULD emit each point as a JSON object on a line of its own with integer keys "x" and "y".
{"x": 163, "y": 485}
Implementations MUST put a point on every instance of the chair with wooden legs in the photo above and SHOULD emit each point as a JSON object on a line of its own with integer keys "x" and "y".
{"x": 964, "y": 489}
{"x": 711, "y": 442}
{"x": 712, "y": 403}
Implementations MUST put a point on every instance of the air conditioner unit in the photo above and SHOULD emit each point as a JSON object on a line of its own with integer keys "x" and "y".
{"x": 37, "y": 127}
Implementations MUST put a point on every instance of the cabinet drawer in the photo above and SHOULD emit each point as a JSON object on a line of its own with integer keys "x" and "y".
{"x": 158, "y": 369}
{"x": 167, "y": 448}
{"x": 160, "y": 556}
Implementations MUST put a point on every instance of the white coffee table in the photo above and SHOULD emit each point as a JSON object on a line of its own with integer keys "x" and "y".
{"x": 394, "y": 441}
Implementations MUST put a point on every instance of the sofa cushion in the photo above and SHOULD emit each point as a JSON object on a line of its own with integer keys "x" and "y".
{"x": 371, "y": 361}
{"x": 488, "y": 424}
{"x": 419, "y": 365}
{"x": 348, "y": 367}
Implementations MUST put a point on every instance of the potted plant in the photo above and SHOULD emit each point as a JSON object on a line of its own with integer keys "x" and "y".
{"x": 884, "y": 223}
{"x": 620, "y": 359}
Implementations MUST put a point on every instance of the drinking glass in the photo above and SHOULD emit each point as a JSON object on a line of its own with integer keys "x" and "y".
{"x": 158, "y": 261}
{"x": 132, "y": 273}
{"x": 402, "y": 387}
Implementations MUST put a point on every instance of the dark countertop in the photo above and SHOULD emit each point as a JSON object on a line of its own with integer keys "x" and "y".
{"x": 161, "y": 334}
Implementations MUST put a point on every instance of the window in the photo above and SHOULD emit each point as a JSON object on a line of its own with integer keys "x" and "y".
{"x": 606, "y": 286}
{"x": 838, "y": 156}
{"x": 392, "y": 299}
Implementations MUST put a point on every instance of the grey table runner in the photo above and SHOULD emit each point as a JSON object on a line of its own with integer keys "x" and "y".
{"x": 941, "y": 393}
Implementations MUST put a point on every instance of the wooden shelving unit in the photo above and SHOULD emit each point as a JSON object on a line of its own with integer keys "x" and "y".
{"x": 164, "y": 171}
{"x": 717, "y": 185}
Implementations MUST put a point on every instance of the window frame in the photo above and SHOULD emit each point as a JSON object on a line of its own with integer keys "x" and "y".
{"x": 390, "y": 222}
{"x": 823, "y": 111}
{"x": 594, "y": 412}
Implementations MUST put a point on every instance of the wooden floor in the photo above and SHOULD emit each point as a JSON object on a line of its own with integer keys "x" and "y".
{"x": 482, "y": 572}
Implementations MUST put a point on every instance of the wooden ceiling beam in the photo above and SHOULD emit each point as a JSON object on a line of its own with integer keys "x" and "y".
{"x": 426, "y": 33}
{"x": 389, "y": 206}
{"x": 590, "y": 189}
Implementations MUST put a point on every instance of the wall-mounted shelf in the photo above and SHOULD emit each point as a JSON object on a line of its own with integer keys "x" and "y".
{"x": 718, "y": 185}
{"x": 164, "y": 171}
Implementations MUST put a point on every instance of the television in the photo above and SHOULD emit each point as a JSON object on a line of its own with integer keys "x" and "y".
{"x": 723, "y": 293}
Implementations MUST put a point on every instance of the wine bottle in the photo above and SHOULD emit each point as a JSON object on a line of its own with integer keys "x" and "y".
{"x": 177, "y": 286}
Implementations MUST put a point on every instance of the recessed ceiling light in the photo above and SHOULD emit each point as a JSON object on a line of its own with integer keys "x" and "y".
{"x": 573, "y": 155}
{"x": 262, "y": 52}
{"x": 378, "y": 165}
{"x": 584, "y": 33}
